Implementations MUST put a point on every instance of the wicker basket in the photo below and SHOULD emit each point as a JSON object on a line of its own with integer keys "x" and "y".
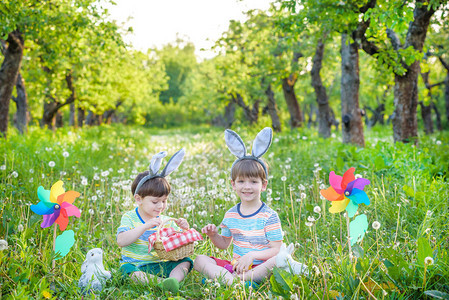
{"x": 175, "y": 254}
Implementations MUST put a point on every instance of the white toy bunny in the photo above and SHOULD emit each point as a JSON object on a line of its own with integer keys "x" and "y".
{"x": 285, "y": 261}
{"x": 93, "y": 271}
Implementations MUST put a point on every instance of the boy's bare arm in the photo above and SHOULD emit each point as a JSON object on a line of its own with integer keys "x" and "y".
{"x": 217, "y": 239}
{"x": 269, "y": 253}
{"x": 128, "y": 237}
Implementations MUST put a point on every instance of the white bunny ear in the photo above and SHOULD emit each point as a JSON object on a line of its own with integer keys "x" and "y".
{"x": 173, "y": 163}
{"x": 235, "y": 143}
{"x": 262, "y": 142}
{"x": 155, "y": 163}
{"x": 290, "y": 248}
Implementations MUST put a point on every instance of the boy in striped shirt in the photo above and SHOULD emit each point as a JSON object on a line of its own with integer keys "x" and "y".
{"x": 253, "y": 228}
{"x": 151, "y": 191}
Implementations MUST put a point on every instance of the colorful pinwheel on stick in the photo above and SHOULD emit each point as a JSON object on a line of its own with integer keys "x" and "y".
{"x": 56, "y": 207}
{"x": 346, "y": 193}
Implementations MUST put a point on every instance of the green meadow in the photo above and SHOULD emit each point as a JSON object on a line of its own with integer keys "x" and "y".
{"x": 406, "y": 258}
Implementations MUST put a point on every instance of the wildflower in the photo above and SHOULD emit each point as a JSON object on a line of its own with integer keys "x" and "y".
{"x": 316, "y": 165}
{"x": 427, "y": 230}
{"x": 376, "y": 225}
{"x": 31, "y": 171}
{"x": 84, "y": 181}
{"x": 428, "y": 261}
{"x": 105, "y": 173}
{"x": 3, "y": 245}
{"x": 31, "y": 180}
{"x": 317, "y": 209}
{"x": 94, "y": 198}
{"x": 438, "y": 142}
{"x": 294, "y": 297}
{"x": 20, "y": 228}
{"x": 310, "y": 219}
{"x": 303, "y": 195}
{"x": 65, "y": 154}
{"x": 283, "y": 178}
{"x": 14, "y": 174}
{"x": 51, "y": 164}
{"x": 3, "y": 167}
{"x": 46, "y": 294}
{"x": 357, "y": 176}
{"x": 91, "y": 211}
{"x": 429, "y": 213}
{"x": 96, "y": 177}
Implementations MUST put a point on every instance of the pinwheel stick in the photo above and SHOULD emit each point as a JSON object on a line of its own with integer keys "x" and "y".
{"x": 53, "y": 263}
{"x": 349, "y": 236}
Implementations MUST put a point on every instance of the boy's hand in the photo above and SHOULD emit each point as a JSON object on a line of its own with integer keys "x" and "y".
{"x": 243, "y": 263}
{"x": 153, "y": 222}
{"x": 210, "y": 230}
{"x": 182, "y": 223}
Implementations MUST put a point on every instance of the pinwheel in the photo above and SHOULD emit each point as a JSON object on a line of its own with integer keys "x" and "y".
{"x": 56, "y": 205}
{"x": 346, "y": 192}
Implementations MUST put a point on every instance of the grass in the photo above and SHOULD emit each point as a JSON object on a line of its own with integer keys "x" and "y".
{"x": 409, "y": 194}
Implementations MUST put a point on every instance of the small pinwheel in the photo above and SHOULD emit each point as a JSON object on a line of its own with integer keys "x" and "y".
{"x": 56, "y": 205}
{"x": 346, "y": 192}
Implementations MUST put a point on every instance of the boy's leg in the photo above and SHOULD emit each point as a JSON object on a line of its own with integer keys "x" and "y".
{"x": 180, "y": 271}
{"x": 208, "y": 266}
{"x": 260, "y": 272}
{"x": 142, "y": 277}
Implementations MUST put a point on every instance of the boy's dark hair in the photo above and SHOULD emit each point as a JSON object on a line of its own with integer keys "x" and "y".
{"x": 156, "y": 187}
{"x": 248, "y": 168}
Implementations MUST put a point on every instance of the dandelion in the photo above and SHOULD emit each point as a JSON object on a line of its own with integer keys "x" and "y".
{"x": 91, "y": 211}
{"x": 14, "y": 174}
{"x": 46, "y": 294}
{"x": 303, "y": 195}
{"x": 94, "y": 198}
{"x": 65, "y": 154}
{"x": 84, "y": 181}
{"x": 3, "y": 245}
{"x": 376, "y": 225}
{"x": 51, "y": 164}
{"x": 283, "y": 178}
{"x": 20, "y": 228}
{"x": 427, "y": 230}
{"x": 3, "y": 167}
{"x": 96, "y": 177}
{"x": 358, "y": 176}
{"x": 438, "y": 142}
{"x": 316, "y": 165}
{"x": 31, "y": 171}
{"x": 31, "y": 180}
{"x": 428, "y": 261}
{"x": 105, "y": 173}
{"x": 311, "y": 219}
{"x": 294, "y": 297}
{"x": 317, "y": 209}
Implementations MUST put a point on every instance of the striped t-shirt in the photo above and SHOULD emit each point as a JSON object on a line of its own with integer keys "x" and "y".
{"x": 251, "y": 232}
{"x": 137, "y": 252}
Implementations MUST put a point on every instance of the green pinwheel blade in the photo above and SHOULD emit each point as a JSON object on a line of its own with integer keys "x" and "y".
{"x": 44, "y": 196}
{"x": 351, "y": 208}
{"x": 357, "y": 228}
{"x": 64, "y": 242}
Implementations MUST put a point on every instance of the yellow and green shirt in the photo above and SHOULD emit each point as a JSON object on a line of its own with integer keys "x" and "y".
{"x": 137, "y": 253}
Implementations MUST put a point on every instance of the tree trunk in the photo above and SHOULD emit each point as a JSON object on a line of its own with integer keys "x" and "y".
{"x": 22, "y": 116}
{"x": 52, "y": 106}
{"x": 426, "y": 110}
{"x": 324, "y": 115}
{"x": 446, "y": 95}
{"x": 352, "y": 127}
{"x": 272, "y": 109}
{"x": 81, "y": 117}
{"x": 251, "y": 114}
{"x": 438, "y": 116}
{"x": 59, "y": 120}
{"x": 405, "y": 125}
{"x": 72, "y": 117}
{"x": 107, "y": 116}
{"x": 294, "y": 109}
{"x": 8, "y": 75}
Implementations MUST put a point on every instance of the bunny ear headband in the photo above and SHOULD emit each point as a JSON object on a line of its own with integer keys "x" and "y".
{"x": 260, "y": 146}
{"x": 155, "y": 165}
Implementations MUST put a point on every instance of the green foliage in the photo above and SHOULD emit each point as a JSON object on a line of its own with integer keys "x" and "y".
{"x": 408, "y": 194}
